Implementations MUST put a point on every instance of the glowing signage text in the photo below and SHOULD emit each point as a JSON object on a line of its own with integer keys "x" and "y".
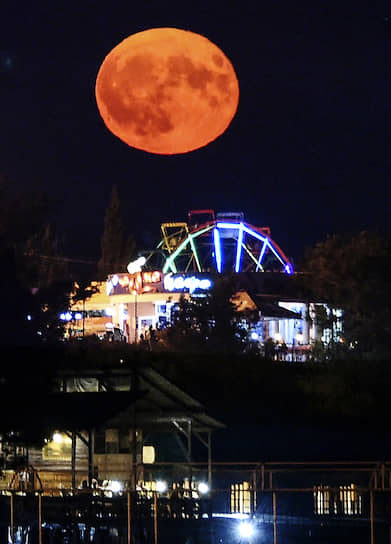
{"x": 139, "y": 282}
{"x": 186, "y": 283}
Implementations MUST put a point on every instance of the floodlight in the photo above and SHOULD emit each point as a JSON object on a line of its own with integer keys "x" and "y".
{"x": 246, "y": 530}
{"x": 115, "y": 486}
{"x": 203, "y": 488}
{"x": 161, "y": 486}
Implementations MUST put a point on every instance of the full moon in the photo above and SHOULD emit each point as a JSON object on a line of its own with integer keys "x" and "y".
{"x": 167, "y": 91}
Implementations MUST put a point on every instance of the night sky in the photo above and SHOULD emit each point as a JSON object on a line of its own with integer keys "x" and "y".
{"x": 307, "y": 154}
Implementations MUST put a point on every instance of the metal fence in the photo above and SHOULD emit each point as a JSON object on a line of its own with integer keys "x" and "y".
{"x": 189, "y": 503}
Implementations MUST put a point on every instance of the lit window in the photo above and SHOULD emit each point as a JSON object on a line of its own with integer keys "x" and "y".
{"x": 322, "y": 500}
{"x": 349, "y": 501}
{"x": 241, "y": 498}
{"x": 345, "y": 500}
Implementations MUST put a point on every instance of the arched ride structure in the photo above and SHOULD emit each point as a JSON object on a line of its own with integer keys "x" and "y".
{"x": 221, "y": 243}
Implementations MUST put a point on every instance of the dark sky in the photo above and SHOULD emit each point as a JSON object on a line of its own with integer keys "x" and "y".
{"x": 307, "y": 154}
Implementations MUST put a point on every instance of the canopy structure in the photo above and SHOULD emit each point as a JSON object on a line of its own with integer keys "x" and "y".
{"x": 161, "y": 406}
{"x": 125, "y": 396}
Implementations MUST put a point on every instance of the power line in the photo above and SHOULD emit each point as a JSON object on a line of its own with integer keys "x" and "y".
{"x": 58, "y": 258}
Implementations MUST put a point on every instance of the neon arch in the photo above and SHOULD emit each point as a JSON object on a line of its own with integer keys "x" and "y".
{"x": 220, "y": 245}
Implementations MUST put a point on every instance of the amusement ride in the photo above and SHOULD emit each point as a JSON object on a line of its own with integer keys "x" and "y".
{"x": 217, "y": 243}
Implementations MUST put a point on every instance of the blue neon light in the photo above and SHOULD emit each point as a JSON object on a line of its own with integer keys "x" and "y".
{"x": 276, "y": 254}
{"x": 228, "y": 225}
{"x": 261, "y": 255}
{"x": 186, "y": 283}
{"x": 288, "y": 268}
{"x": 255, "y": 234}
{"x": 239, "y": 248}
{"x": 216, "y": 239}
{"x": 218, "y": 248}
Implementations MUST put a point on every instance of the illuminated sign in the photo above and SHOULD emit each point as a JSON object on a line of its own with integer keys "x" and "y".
{"x": 140, "y": 282}
{"x": 180, "y": 282}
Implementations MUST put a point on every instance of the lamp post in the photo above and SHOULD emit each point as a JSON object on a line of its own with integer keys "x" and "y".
{"x": 135, "y": 318}
{"x": 161, "y": 487}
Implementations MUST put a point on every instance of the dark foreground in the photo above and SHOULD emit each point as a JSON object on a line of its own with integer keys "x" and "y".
{"x": 91, "y": 519}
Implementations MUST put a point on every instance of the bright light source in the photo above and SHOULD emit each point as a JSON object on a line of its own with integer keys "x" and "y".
{"x": 148, "y": 455}
{"x": 254, "y": 335}
{"x": 78, "y": 315}
{"x": 135, "y": 266}
{"x": 217, "y": 244}
{"x": 246, "y": 530}
{"x": 299, "y": 337}
{"x": 115, "y": 486}
{"x": 203, "y": 488}
{"x": 109, "y": 312}
{"x": 288, "y": 268}
{"x": 161, "y": 487}
{"x": 29, "y": 318}
{"x": 57, "y": 438}
{"x": 179, "y": 283}
{"x": 277, "y": 337}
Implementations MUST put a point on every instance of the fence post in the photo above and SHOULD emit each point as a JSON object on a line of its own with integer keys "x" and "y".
{"x": 129, "y": 517}
{"x": 371, "y": 501}
{"x": 155, "y": 516}
{"x": 39, "y": 517}
{"x": 274, "y": 517}
{"x": 254, "y": 492}
{"x": 12, "y": 528}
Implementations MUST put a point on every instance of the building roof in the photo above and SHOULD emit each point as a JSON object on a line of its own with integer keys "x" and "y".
{"x": 163, "y": 405}
{"x": 269, "y": 308}
{"x": 66, "y": 411}
{"x": 156, "y": 402}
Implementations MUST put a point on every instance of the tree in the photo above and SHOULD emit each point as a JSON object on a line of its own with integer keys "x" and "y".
{"x": 41, "y": 262}
{"x": 209, "y": 324}
{"x": 354, "y": 273}
{"x": 34, "y": 277}
{"x": 84, "y": 289}
{"x": 117, "y": 249}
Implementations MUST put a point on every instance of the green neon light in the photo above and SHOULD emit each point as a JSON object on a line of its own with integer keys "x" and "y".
{"x": 170, "y": 264}
{"x": 195, "y": 253}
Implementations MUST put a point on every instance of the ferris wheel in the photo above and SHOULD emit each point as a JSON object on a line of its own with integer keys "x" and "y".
{"x": 219, "y": 243}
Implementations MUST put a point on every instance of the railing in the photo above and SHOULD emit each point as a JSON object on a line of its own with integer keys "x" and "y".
{"x": 280, "y": 499}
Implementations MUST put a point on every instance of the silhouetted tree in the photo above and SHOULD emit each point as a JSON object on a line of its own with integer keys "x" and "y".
{"x": 355, "y": 274}
{"x": 117, "y": 249}
{"x": 42, "y": 263}
{"x": 83, "y": 290}
{"x": 34, "y": 284}
{"x": 209, "y": 324}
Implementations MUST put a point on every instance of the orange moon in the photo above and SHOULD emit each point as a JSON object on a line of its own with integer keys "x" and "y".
{"x": 167, "y": 91}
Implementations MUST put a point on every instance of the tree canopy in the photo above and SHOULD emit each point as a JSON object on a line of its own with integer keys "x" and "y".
{"x": 117, "y": 248}
{"x": 34, "y": 282}
{"x": 209, "y": 323}
{"x": 354, "y": 274}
